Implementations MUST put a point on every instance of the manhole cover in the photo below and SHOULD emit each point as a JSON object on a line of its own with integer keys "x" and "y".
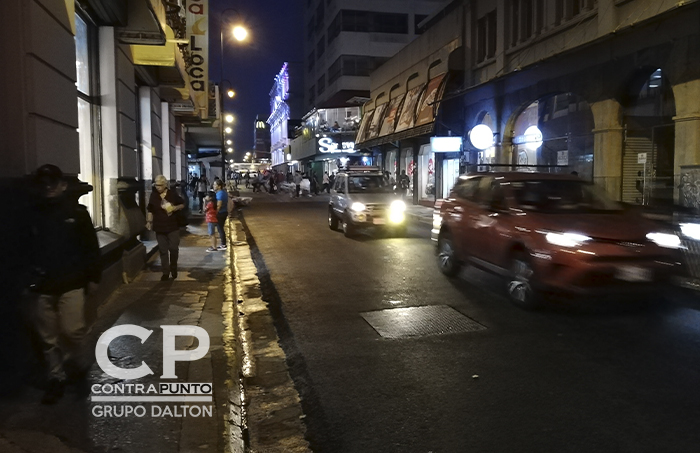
{"x": 420, "y": 321}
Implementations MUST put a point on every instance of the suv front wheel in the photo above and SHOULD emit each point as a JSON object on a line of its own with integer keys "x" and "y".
{"x": 332, "y": 220}
{"x": 348, "y": 228}
{"x": 447, "y": 258}
{"x": 520, "y": 284}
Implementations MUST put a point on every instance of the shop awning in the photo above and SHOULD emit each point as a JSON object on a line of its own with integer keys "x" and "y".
{"x": 168, "y": 67}
{"x": 70, "y": 9}
{"x": 145, "y": 23}
{"x": 405, "y": 116}
{"x": 149, "y": 55}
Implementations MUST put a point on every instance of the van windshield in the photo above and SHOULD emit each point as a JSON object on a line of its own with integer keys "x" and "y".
{"x": 369, "y": 184}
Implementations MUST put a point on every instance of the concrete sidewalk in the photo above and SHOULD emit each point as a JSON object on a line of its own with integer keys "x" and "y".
{"x": 204, "y": 295}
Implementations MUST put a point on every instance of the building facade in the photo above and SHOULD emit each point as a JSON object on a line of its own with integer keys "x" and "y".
{"x": 101, "y": 88}
{"x": 261, "y": 137}
{"x": 285, "y": 111}
{"x": 345, "y": 40}
{"x": 325, "y": 140}
{"x": 605, "y": 88}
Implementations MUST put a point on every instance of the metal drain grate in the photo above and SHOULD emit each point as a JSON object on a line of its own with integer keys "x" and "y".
{"x": 420, "y": 321}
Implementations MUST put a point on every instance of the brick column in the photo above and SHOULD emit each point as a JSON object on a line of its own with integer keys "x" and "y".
{"x": 687, "y": 121}
{"x": 607, "y": 146}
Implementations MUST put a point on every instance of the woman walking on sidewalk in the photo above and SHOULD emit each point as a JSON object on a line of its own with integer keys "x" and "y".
{"x": 161, "y": 218}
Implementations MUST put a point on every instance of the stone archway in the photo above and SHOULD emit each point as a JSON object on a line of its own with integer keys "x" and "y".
{"x": 649, "y": 143}
{"x": 554, "y": 134}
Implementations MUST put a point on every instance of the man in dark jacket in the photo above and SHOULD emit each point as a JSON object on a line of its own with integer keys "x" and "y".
{"x": 65, "y": 258}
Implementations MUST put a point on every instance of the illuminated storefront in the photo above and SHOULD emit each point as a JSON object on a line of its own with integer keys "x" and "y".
{"x": 407, "y": 121}
{"x": 327, "y": 139}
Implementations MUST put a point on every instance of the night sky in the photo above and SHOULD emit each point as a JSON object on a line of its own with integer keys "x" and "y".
{"x": 275, "y": 36}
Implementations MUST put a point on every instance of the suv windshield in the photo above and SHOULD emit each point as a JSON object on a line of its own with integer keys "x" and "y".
{"x": 561, "y": 196}
{"x": 368, "y": 184}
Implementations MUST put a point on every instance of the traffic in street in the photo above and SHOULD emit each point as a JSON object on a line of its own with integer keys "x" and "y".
{"x": 390, "y": 355}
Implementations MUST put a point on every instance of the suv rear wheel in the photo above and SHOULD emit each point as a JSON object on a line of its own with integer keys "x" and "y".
{"x": 520, "y": 284}
{"x": 447, "y": 259}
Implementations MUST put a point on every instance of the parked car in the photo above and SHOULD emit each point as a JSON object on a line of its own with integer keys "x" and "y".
{"x": 363, "y": 197}
{"x": 550, "y": 233}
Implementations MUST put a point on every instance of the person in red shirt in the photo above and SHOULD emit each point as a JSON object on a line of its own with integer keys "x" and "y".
{"x": 212, "y": 222}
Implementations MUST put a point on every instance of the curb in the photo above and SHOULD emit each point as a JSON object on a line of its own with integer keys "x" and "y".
{"x": 268, "y": 408}
{"x": 236, "y": 435}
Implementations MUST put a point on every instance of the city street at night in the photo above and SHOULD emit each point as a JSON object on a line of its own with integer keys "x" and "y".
{"x": 350, "y": 226}
{"x": 391, "y": 356}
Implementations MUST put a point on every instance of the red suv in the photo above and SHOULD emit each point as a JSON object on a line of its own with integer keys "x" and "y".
{"x": 550, "y": 233}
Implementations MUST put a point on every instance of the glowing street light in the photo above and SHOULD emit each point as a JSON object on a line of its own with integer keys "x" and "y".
{"x": 240, "y": 33}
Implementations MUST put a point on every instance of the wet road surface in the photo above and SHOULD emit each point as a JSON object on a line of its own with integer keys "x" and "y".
{"x": 568, "y": 379}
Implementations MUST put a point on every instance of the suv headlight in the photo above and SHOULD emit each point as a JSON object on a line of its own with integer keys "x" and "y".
{"x": 566, "y": 239}
{"x": 666, "y": 240}
{"x": 691, "y": 230}
{"x": 397, "y": 206}
{"x": 358, "y": 207}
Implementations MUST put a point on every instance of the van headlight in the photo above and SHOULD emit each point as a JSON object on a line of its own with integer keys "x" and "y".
{"x": 666, "y": 240}
{"x": 396, "y": 211}
{"x": 397, "y": 206}
{"x": 358, "y": 207}
{"x": 566, "y": 239}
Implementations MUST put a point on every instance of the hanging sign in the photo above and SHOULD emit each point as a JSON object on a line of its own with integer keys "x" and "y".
{"x": 197, "y": 19}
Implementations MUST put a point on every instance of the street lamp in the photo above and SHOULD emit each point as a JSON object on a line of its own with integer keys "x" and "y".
{"x": 240, "y": 33}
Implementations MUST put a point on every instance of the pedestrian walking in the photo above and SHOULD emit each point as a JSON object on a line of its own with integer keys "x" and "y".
{"x": 389, "y": 178}
{"x": 313, "y": 184}
{"x": 192, "y": 189}
{"x": 272, "y": 183}
{"x": 212, "y": 221}
{"x": 64, "y": 255}
{"x": 326, "y": 183}
{"x": 202, "y": 187}
{"x": 404, "y": 183}
{"x": 297, "y": 182}
{"x": 161, "y": 218}
{"x": 221, "y": 212}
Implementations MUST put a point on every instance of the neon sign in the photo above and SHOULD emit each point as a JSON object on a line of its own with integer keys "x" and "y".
{"x": 327, "y": 145}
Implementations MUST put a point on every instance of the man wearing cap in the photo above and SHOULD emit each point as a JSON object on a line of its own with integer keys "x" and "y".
{"x": 65, "y": 258}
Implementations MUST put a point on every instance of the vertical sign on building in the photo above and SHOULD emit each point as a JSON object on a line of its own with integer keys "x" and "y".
{"x": 198, "y": 35}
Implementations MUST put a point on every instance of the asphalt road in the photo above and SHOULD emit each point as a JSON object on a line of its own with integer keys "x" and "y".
{"x": 575, "y": 377}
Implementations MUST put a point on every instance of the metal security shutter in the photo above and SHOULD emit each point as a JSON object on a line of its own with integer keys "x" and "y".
{"x": 630, "y": 167}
